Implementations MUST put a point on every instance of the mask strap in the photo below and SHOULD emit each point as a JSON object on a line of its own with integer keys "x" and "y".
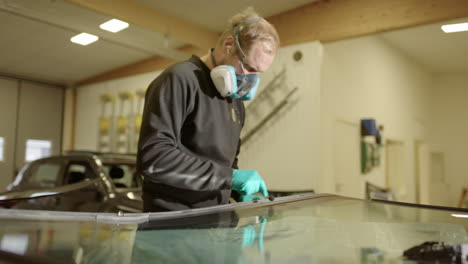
{"x": 237, "y": 30}
{"x": 213, "y": 60}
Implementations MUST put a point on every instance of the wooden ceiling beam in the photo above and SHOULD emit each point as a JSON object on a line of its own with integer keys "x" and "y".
{"x": 330, "y": 20}
{"x": 141, "y": 15}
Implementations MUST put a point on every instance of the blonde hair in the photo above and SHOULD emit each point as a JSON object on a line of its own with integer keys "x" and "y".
{"x": 251, "y": 33}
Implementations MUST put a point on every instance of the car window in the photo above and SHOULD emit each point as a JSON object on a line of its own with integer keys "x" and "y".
{"x": 77, "y": 172}
{"x": 123, "y": 175}
{"x": 45, "y": 174}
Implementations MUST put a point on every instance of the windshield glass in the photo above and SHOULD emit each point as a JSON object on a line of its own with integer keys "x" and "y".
{"x": 299, "y": 229}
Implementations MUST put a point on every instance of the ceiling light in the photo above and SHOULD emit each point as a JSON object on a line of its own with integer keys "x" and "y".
{"x": 114, "y": 25}
{"x": 460, "y": 215}
{"x": 455, "y": 27}
{"x": 84, "y": 39}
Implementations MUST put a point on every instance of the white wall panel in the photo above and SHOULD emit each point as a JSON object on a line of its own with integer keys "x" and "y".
{"x": 88, "y": 108}
{"x": 286, "y": 149}
{"x": 39, "y": 117}
{"x": 448, "y": 134}
{"x": 366, "y": 78}
{"x": 8, "y": 115}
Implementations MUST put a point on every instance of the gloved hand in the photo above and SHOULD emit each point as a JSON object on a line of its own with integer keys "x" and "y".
{"x": 247, "y": 182}
{"x": 249, "y": 198}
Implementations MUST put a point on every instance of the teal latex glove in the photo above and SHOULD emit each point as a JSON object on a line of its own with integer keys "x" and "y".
{"x": 249, "y": 198}
{"x": 248, "y": 182}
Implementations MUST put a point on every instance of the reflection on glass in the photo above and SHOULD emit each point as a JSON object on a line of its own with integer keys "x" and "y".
{"x": 69, "y": 241}
{"x": 14, "y": 243}
{"x": 36, "y": 149}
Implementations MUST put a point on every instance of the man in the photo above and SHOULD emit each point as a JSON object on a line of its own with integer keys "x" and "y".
{"x": 192, "y": 119}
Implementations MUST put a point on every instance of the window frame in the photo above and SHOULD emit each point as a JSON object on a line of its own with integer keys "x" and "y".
{"x": 33, "y": 167}
{"x": 135, "y": 176}
{"x": 78, "y": 161}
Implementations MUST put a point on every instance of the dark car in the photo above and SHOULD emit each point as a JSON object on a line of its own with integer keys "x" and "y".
{"x": 80, "y": 182}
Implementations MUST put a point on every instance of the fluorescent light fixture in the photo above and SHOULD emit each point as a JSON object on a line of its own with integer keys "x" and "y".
{"x": 84, "y": 39}
{"x": 455, "y": 27}
{"x": 460, "y": 215}
{"x": 114, "y": 25}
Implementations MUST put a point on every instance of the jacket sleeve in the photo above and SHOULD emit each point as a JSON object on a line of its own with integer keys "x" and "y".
{"x": 236, "y": 160}
{"x": 167, "y": 102}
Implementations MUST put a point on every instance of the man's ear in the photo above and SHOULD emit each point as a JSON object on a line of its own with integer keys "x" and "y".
{"x": 228, "y": 43}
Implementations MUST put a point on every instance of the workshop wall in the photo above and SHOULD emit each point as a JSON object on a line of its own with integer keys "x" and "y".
{"x": 68, "y": 120}
{"x": 366, "y": 78}
{"x": 90, "y": 110}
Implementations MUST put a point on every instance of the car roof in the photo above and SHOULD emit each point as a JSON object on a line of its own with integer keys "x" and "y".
{"x": 104, "y": 157}
{"x": 100, "y": 154}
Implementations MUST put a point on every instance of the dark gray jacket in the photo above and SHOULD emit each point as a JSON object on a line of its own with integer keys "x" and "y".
{"x": 189, "y": 140}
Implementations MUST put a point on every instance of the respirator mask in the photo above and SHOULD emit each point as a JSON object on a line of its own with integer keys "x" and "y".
{"x": 230, "y": 84}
